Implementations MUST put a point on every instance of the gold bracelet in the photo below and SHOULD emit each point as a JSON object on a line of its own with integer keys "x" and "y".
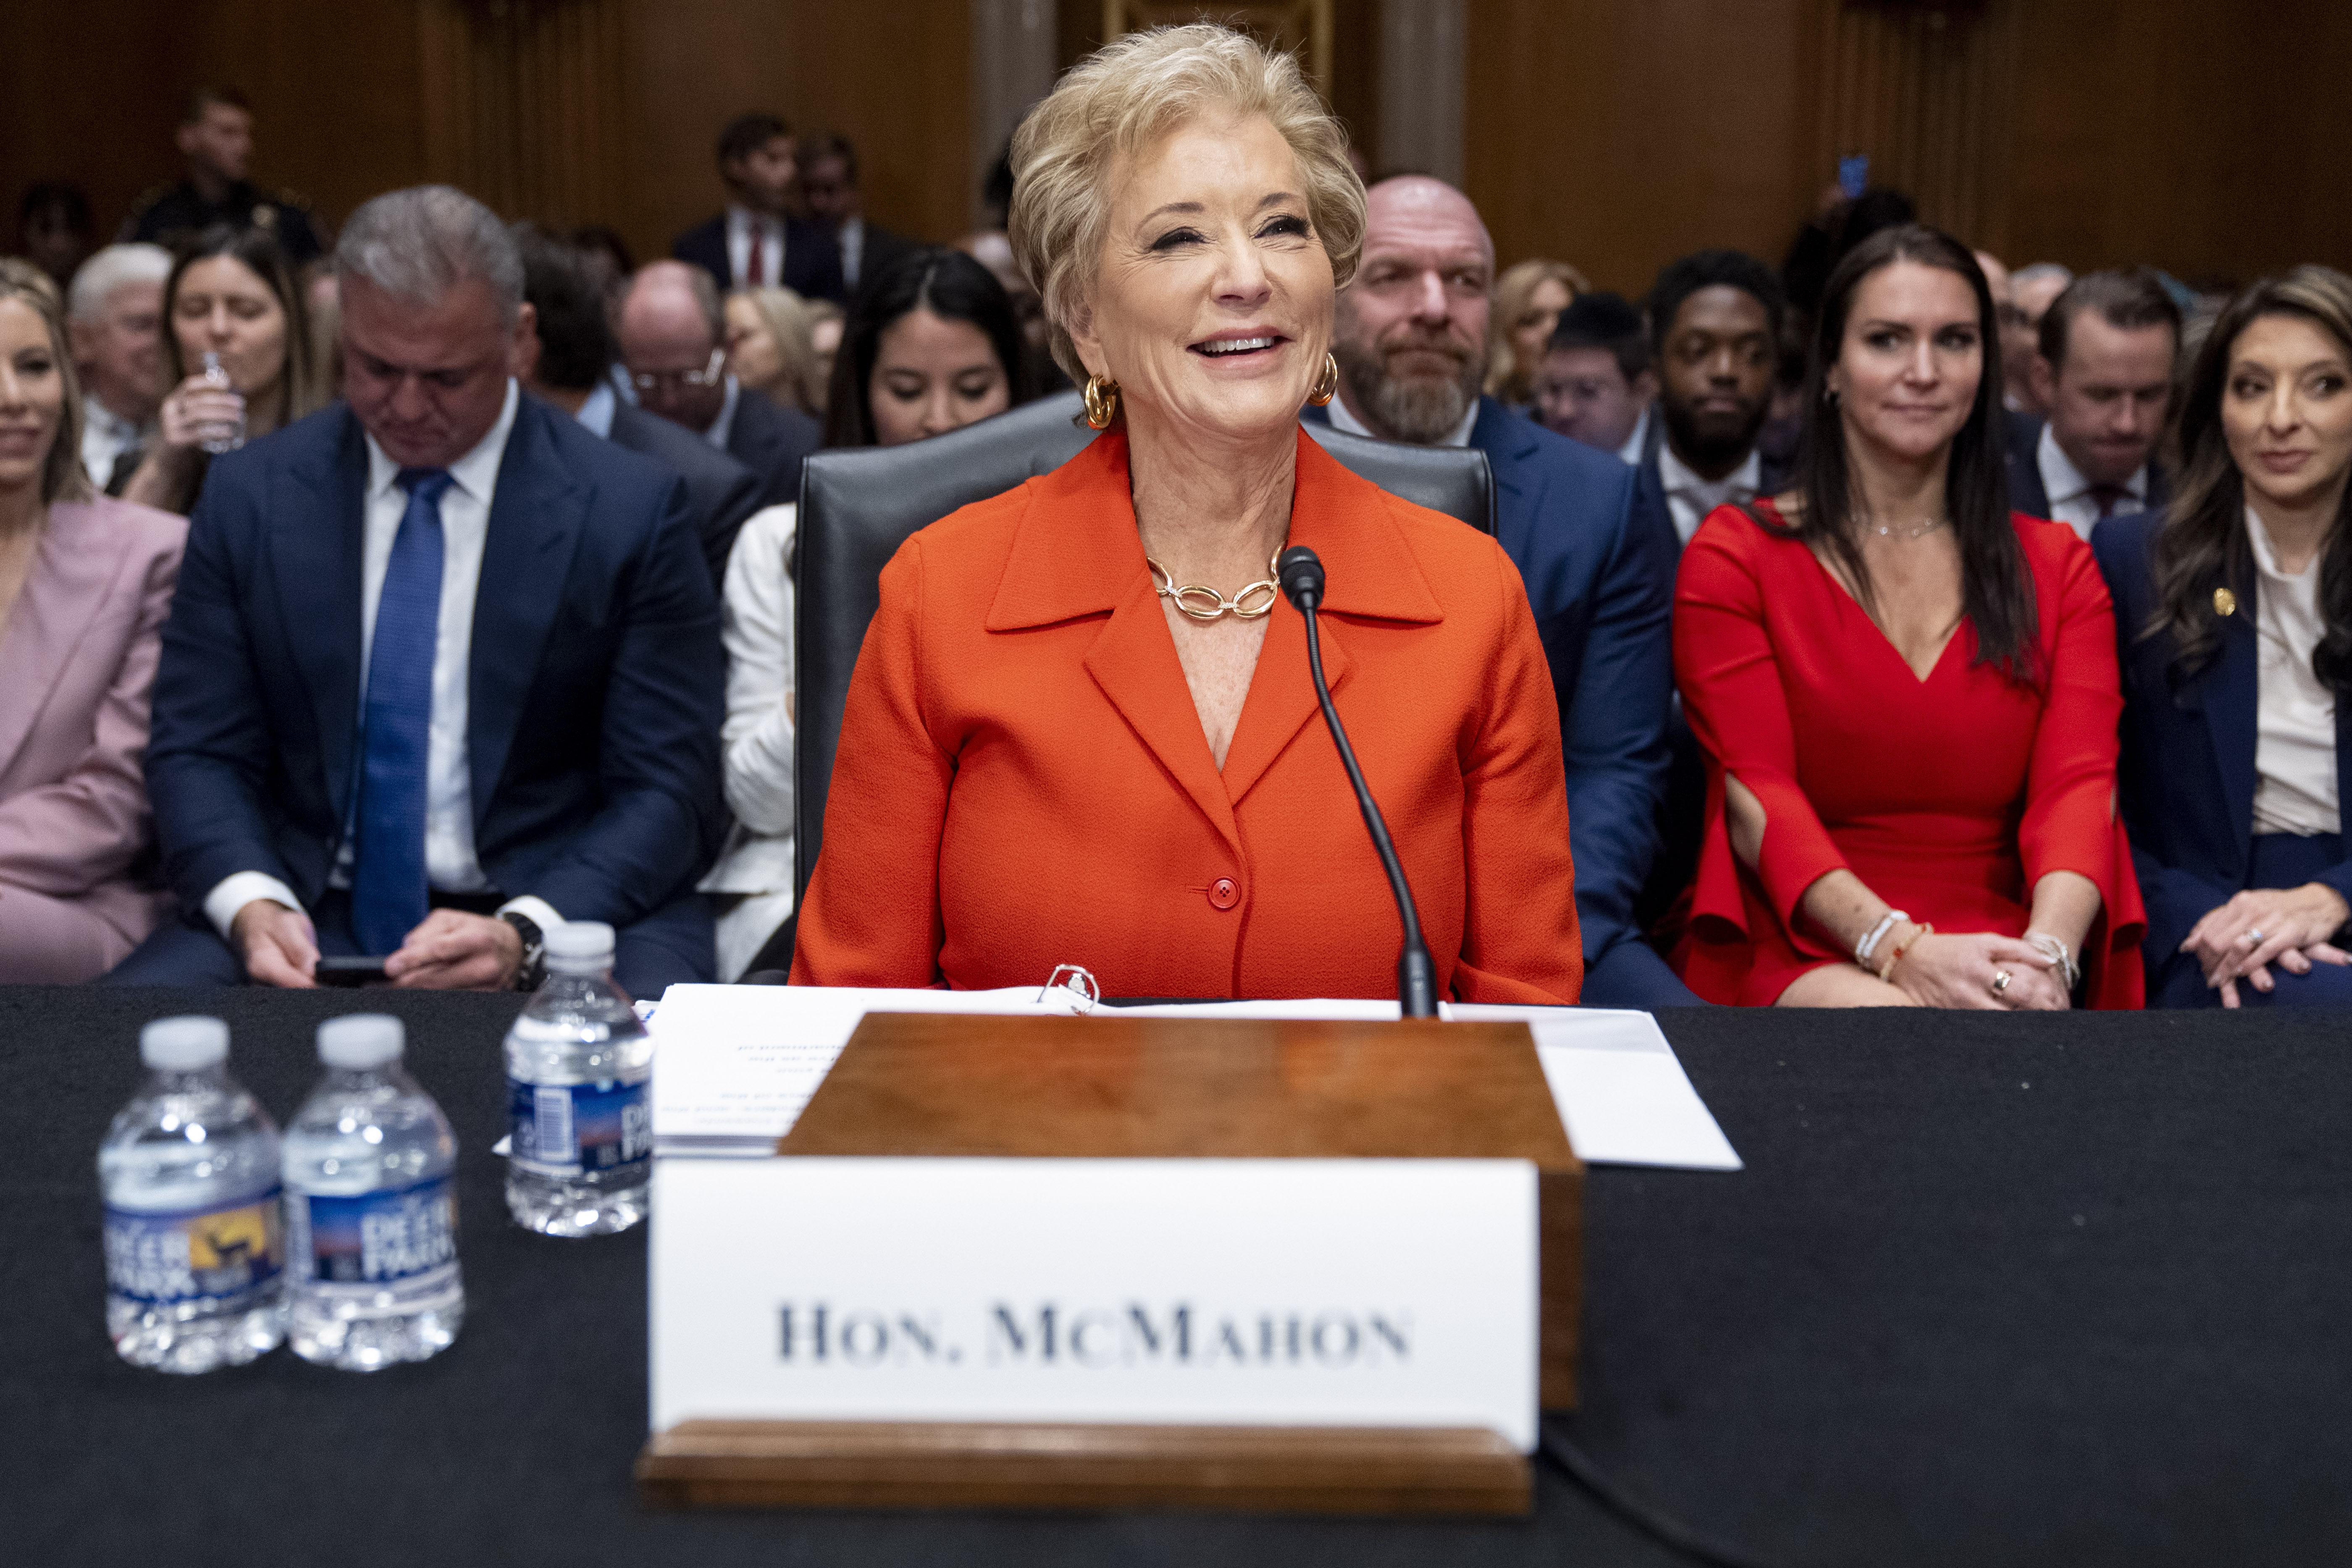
{"x": 1897, "y": 956}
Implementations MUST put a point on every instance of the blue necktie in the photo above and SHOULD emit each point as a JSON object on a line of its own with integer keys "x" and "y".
{"x": 388, "y": 888}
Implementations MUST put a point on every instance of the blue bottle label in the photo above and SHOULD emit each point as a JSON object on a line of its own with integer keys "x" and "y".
{"x": 605, "y": 1128}
{"x": 219, "y": 1259}
{"x": 390, "y": 1237}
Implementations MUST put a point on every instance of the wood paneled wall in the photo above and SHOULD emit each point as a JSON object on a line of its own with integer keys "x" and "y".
{"x": 2202, "y": 135}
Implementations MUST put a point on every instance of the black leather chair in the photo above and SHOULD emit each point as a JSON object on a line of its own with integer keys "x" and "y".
{"x": 857, "y": 507}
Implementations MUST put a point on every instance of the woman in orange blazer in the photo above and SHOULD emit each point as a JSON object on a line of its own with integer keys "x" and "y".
{"x": 1044, "y": 760}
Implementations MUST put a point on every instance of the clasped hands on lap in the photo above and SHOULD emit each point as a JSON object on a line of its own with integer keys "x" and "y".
{"x": 450, "y": 950}
{"x": 2293, "y": 928}
{"x": 1912, "y": 965}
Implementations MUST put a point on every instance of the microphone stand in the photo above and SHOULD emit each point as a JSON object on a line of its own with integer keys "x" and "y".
{"x": 1301, "y": 576}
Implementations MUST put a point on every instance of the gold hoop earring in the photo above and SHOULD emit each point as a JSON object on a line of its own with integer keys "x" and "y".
{"x": 1102, "y": 401}
{"x": 1328, "y": 383}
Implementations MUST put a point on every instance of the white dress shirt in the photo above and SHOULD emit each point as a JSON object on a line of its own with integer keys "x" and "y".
{"x": 724, "y": 426}
{"x": 2070, "y": 501}
{"x": 756, "y": 744}
{"x": 1690, "y": 497}
{"x": 449, "y": 862}
{"x": 1457, "y": 437}
{"x": 106, "y": 435}
{"x": 2295, "y": 786}
{"x": 597, "y": 412}
{"x": 850, "y": 236}
{"x": 740, "y": 221}
{"x": 1631, "y": 451}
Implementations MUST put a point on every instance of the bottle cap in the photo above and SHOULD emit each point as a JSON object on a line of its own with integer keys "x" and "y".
{"x": 183, "y": 1045}
{"x": 581, "y": 944}
{"x": 358, "y": 1041}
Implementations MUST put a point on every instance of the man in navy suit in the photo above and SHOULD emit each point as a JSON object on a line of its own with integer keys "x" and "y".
{"x": 2109, "y": 343}
{"x": 443, "y": 668}
{"x": 829, "y": 186}
{"x": 1410, "y": 335}
{"x": 757, "y": 243}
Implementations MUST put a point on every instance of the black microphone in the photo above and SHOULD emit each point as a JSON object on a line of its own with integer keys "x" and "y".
{"x": 1301, "y": 576}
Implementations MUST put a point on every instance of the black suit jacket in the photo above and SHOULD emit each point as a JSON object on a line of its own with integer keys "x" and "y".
{"x": 594, "y": 701}
{"x": 771, "y": 440}
{"x": 2026, "y": 491}
{"x": 812, "y": 260}
{"x": 1650, "y": 482}
{"x": 880, "y": 250}
{"x": 1682, "y": 809}
{"x": 720, "y": 492}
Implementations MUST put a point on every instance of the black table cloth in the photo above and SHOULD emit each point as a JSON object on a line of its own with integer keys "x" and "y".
{"x": 2062, "y": 1289}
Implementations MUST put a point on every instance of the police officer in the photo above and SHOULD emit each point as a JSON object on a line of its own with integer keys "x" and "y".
{"x": 216, "y": 138}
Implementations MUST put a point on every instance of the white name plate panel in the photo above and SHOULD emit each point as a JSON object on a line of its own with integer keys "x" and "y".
{"x": 1225, "y": 1292}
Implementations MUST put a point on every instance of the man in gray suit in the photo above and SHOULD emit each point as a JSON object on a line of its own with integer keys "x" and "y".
{"x": 569, "y": 369}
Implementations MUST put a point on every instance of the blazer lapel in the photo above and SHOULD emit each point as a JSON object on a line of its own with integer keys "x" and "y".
{"x": 1519, "y": 488}
{"x": 1078, "y": 554}
{"x": 1370, "y": 573}
{"x": 2233, "y": 701}
{"x": 69, "y": 581}
{"x": 537, "y": 514}
{"x": 317, "y": 545}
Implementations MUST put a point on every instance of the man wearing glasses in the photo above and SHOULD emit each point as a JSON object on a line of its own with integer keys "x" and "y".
{"x": 672, "y": 330}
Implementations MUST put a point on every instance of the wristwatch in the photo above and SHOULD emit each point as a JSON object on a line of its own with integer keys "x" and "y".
{"x": 531, "y": 973}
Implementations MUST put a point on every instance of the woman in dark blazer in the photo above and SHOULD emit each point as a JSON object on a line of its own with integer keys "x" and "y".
{"x": 2234, "y": 608}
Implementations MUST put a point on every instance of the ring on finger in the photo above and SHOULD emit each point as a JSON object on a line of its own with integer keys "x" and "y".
{"x": 2001, "y": 979}
{"x": 2252, "y": 937}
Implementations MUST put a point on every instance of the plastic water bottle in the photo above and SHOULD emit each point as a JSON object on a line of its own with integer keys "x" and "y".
{"x": 195, "y": 1244}
{"x": 370, "y": 1212}
{"x": 579, "y": 1062}
{"x": 221, "y": 434}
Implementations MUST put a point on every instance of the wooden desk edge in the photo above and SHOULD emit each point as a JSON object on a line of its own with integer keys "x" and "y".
{"x": 1077, "y": 1466}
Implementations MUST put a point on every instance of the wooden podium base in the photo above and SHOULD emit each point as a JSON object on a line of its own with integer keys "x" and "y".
{"x": 1270, "y": 1469}
{"x": 923, "y": 1085}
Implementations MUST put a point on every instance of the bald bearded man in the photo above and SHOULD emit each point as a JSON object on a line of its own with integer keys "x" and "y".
{"x": 1409, "y": 334}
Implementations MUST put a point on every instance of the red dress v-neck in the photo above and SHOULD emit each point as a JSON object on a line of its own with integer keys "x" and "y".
{"x": 1950, "y": 796}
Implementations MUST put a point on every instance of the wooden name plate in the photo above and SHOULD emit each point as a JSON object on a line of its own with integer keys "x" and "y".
{"x": 942, "y": 1084}
{"x": 848, "y": 1464}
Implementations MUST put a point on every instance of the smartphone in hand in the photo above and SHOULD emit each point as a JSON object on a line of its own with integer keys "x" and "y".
{"x": 349, "y": 972}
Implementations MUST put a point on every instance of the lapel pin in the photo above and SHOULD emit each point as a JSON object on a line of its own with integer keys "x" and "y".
{"x": 2225, "y": 602}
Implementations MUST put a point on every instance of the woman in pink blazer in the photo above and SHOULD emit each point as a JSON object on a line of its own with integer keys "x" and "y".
{"x": 85, "y": 583}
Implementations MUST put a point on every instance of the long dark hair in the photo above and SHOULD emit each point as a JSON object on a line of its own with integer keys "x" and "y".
{"x": 950, "y": 285}
{"x": 2201, "y": 544}
{"x": 1996, "y": 587}
{"x": 303, "y": 384}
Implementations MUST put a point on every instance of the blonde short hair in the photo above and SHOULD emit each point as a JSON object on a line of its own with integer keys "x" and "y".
{"x": 1121, "y": 98}
{"x": 1506, "y": 377}
{"x": 61, "y": 476}
{"x": 792, "y": 321}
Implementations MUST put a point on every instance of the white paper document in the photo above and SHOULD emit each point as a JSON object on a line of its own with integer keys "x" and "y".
{"x": 1219, "y": 1292}
{"x": 733, "y": 1065}
{"x": 1622, "y": 1091}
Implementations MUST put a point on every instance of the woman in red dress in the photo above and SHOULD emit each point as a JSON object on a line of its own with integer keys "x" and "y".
{"x": 1907, "y": 696}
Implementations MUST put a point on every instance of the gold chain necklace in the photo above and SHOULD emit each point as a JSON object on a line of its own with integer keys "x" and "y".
{"x": 1925, "y": 528}
{"x": 1204, "y": 604}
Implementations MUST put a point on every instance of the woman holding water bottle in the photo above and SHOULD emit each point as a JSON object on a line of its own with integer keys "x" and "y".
{"x": 241, "y": 360}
